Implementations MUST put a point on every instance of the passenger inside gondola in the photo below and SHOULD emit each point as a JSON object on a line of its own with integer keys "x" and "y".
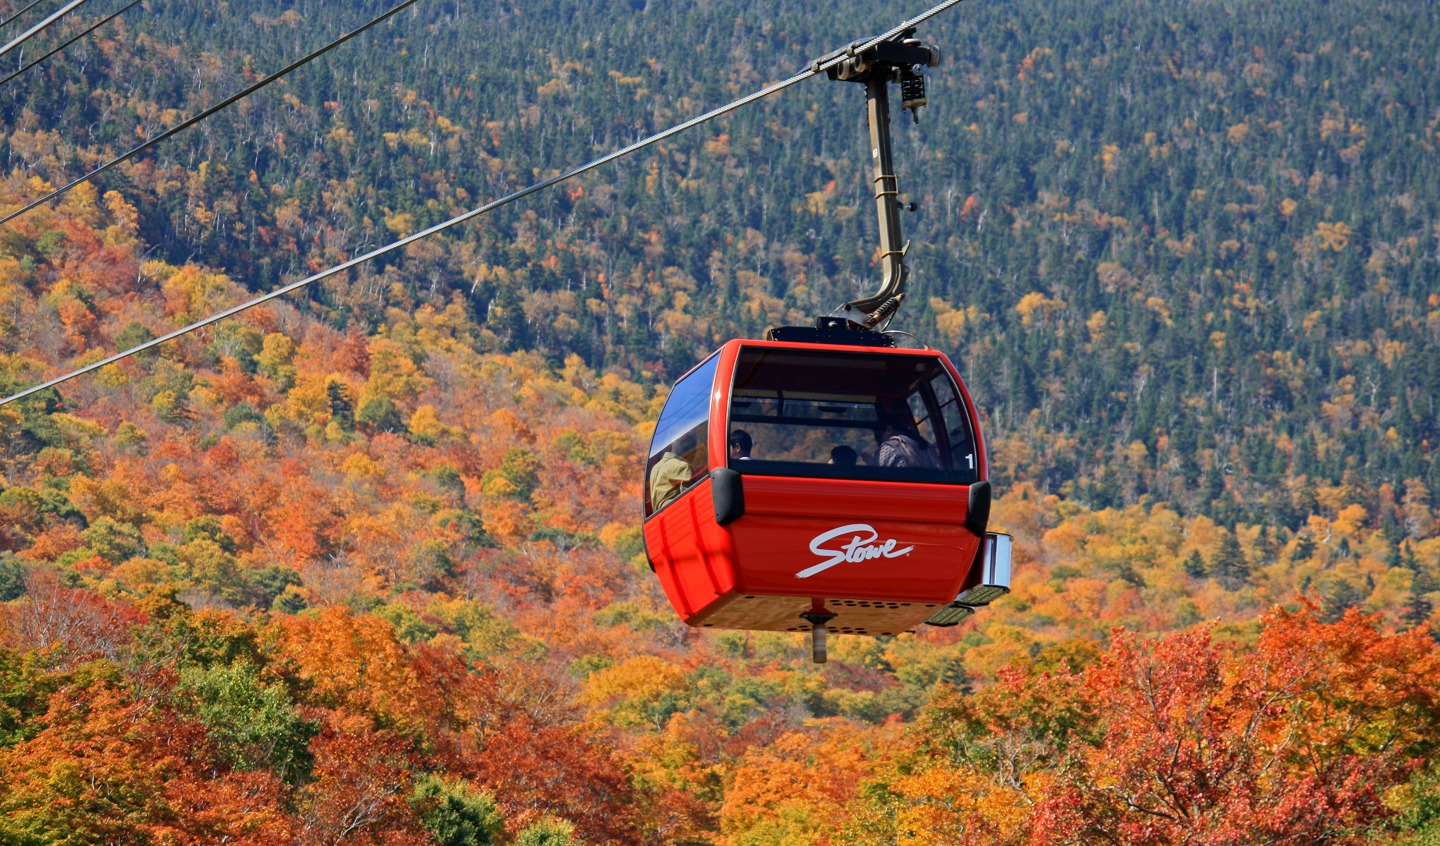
{"x": 676, "y": 467}
{"x": 900, "y": 445}
{"x": 678, "y": 456}
{"x": 740, "y": 443}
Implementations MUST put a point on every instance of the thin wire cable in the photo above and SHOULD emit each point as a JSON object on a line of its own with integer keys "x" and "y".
{"x": 186, "y": 124}
{"x": 816, "y": 67}
{"x": 64, "y": 10}
{"x": 72, "y": 39}
{"x": 14, "y": 17}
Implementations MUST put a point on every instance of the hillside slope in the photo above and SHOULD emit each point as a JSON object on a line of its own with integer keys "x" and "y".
{"x": 1184, "y": 254}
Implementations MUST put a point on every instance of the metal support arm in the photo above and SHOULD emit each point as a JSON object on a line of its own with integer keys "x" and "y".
{"x": 889, "y": 61}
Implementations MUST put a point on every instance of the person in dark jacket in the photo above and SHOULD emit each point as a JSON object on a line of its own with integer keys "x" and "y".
{"x": 902, "y": 446}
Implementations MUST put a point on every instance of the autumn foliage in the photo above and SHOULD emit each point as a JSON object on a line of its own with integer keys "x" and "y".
{"x": 1309, "y": 734}
{"x": 364, "y": 566}
{"x": 1296, "y": 739}
{"x": 295, "y": 585}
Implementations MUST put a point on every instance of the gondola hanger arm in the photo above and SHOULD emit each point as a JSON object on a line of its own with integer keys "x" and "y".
{"x": 901, "y": 59}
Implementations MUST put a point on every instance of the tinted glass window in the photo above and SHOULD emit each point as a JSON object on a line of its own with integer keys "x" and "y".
{"x": 677, "y": 452}
{"x": 830, "y": 414}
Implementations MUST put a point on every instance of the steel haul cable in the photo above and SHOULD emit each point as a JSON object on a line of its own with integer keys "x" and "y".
{"x": 71, "y": 40}
{"x": 16, "y": 16}
{"x": 816, "y": 67}
{"x": 189, "y": 122}
{"x": 62, "y": 12}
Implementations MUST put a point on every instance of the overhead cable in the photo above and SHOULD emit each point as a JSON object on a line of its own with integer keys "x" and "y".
{"x": 186, "y": 124}
{"x": 72, "y": 39}
{"x": 14, "y": 17}
{"x": 63, "y": 11}
{"x": 816, "y": 67}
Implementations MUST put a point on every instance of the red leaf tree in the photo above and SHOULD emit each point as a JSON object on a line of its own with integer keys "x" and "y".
{"x": 1289, "y": 744}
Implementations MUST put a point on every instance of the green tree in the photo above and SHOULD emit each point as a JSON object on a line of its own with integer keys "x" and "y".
{"x": 132, "y": 336}
{"x": 12, "y": 577}
{"x": 1419, "y": 809}
{"x": 207, "y": 565}
{"x": 253, "y": 725}
{"x": 1340, "y": 595}
{"x": 342, "y": 406}
{"x": 456, "y": 813}
{"x": 549, "y": 831}
{"x": 1228, "y": 565}
{"x": 24, "y": 690}
{"x": 380, "y": 414}
{"x": 1194, "y": 565}
{"x": 208, "y": 527}
{"x": 114, "y": 541}
{"x": 518, "y": 475}
{"x": 271, "y": 582}
{"x": 1418, "y": 606}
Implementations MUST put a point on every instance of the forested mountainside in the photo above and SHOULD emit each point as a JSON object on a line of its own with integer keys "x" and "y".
{"x": 364, "y": 565}
{"x": 1185, "y": 250}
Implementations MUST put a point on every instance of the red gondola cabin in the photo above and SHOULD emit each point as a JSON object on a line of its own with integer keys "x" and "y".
{"x": 792, "y": 484}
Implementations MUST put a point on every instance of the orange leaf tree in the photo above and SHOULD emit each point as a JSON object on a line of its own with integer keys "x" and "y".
{"x": 1290, "y": 744}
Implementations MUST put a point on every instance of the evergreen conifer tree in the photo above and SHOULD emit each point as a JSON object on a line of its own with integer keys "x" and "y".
{"x": 1228, "y": 566}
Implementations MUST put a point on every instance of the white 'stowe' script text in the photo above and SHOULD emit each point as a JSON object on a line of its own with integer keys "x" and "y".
{"x": 862, "y": 546}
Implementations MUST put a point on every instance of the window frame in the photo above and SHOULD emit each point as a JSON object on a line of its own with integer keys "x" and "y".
{"x": 750, "y": 359}
{"x": 700, "y": 430}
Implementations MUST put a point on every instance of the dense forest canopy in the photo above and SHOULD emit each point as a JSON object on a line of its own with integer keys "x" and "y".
{"x": 364, "y": 564}
{"x": 1202, "y": 233}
